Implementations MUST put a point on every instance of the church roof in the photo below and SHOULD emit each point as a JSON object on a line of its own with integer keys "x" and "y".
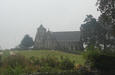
{"x": 69, "y": 35}
{"x": 41, "y": 27}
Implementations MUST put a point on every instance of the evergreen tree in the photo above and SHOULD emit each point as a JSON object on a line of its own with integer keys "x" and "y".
{"x": 26, "y": 42}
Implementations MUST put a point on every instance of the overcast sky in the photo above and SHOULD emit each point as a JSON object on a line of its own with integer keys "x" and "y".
{"x": 20, "y": 17}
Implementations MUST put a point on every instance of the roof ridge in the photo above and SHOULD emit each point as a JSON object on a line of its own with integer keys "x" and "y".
{"x": 66, "y": 31}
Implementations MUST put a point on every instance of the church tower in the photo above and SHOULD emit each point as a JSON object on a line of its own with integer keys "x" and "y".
{"x": 40, "y": 38}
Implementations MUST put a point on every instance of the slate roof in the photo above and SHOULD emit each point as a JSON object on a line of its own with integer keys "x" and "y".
{"x": 69, "y": 35}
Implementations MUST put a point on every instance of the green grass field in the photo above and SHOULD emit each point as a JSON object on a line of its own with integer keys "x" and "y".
{"x": 45, "y": 53}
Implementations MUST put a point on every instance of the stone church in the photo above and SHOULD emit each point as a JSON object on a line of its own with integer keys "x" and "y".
{"x": 65, "y": 40}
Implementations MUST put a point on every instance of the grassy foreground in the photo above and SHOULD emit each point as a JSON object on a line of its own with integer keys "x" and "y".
{"x": 45, "y": 53}
{"x": 17, "y": 62}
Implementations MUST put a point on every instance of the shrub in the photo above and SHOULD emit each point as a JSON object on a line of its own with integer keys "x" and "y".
{"x": 31, "y": 69}
{"x": 50, "y": 61}
{"x": 100, "y": 60}
{"x": 13, "y": 61}
{"x": 13, "y": 65}
{"x": 104, "y": 62}
{"x": 47, "y": 64}
{"x": 66, "y": 64}
{"x": 17, "y": 70}
{"x": 35, "y": 60}
{"x": 53, "y": 64}
{"x": 16, "y": 65}
{"x": 89, "y": 57}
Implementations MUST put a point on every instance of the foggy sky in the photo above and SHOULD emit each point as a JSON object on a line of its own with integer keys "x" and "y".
{"x": 20, "y": 17}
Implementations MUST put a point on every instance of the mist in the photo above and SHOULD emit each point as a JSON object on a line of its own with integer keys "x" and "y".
{"x": 20, "y": 17}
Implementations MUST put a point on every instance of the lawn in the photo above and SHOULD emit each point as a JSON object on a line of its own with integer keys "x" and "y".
{"x": 45, "y": 53}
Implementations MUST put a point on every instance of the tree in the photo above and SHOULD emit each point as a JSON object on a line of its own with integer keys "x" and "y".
{"x": 26, "y": 42}
{"x": 92, "y": 33}
{"x": 107, "y": 9}
{"x": 107, "y": 19}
